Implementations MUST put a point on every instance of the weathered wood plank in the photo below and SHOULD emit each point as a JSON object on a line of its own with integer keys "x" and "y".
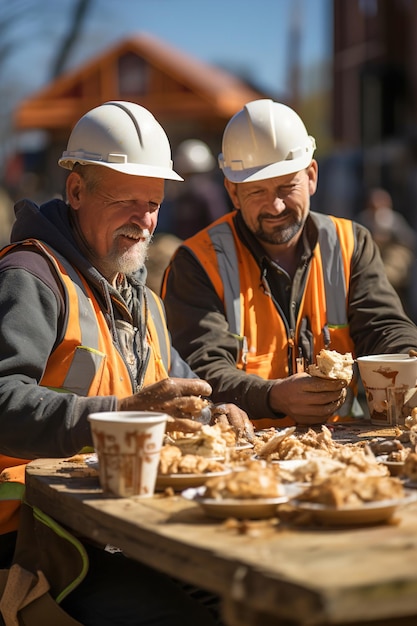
{"x": 308, "y": 575}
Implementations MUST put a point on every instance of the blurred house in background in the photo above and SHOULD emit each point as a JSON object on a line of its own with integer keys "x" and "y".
{"x": 188, "y": 97}
{"x": 365, "y": 121}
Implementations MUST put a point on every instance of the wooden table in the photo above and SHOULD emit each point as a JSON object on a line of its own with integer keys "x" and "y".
{"x": 268, "y": 574}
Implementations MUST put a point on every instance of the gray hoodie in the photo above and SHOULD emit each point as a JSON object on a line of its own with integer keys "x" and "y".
{"x": 36, "y": 421}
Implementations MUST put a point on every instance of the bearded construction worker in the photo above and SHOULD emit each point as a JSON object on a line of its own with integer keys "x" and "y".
{"x": 252, "y": 299}
{"x": 81, "y": 333}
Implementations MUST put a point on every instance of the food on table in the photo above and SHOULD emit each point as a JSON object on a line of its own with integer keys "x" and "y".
{"x": 336, "y": 473}
{"x": 332, "y": 364}
{"x": 410, "y": 467}
{"x": 173, "y": 461}
{"x": 412, "y": 435}
{"x": 292, "y": 445}
{"x": 210, "y": 441}
{"x": 411, "y": 420}
{"x": 352, "y": 488}
{"x": 361, "y": 458}
{"x": 398, "y": 456}
{"x": 380, "y": 445}
{"x": 345, "y": 460}
{"x": 273, "y": 443}
{"x": 256, "y": 480}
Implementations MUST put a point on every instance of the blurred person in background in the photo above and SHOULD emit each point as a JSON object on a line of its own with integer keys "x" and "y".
{"x": 187, "y": 208}
{"x": 201, "y": 199}
{"x": 252, "y": 299}
{"x": 394, "y": 236}
{"x": 160, "y": 252}
{"x": 81, "y": 333}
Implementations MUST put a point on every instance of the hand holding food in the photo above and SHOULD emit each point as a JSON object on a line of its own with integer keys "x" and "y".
{"x": 185, "y": 402}
{"x": 181, "y": 398}
{"x": 232, "y": 414}
{"x": 313, "y": 399}
{"x": 307, "y": 399}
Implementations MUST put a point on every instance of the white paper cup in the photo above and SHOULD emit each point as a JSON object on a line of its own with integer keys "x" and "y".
{"x": 128, "y": 446}
{"x": 381, "y": 374}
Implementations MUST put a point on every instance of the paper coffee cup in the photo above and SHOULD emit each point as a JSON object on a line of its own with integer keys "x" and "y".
{"x": 384, "y": 377}
{"x": 128, "y": 446}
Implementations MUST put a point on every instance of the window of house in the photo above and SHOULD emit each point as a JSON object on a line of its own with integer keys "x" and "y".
{"x": 133, "y": 75}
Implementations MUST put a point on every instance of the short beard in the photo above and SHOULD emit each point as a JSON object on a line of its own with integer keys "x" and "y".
{"x": 128, "y": 260}
{"x": 280, "y": 235}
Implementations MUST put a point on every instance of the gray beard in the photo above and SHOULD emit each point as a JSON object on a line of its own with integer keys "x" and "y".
{"x": 130, "y": 261}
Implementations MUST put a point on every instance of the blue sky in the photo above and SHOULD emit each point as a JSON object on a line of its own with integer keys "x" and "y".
{"x": 250, "y": 37}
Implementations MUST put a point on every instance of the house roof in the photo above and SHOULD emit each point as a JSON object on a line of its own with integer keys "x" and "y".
{"x": 142, "y": 69}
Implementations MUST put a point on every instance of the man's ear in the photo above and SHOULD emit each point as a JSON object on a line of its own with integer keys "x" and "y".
{"x": 231, "y": 189}
{"x": 74, "y": 187}
{"x": 312, "y": 173}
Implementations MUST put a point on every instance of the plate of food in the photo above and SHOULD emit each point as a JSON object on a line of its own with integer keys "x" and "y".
{"x": 180, "y": 481}
{"x": 395, "y": 467}
{"x": 248, "y": 508}
{"x": 254, "y": 493}
{"x": 367, "y": 513}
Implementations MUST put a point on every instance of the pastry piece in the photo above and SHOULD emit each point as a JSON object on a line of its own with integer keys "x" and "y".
{"x": 254, "y": 481}
{"x": 411, "y": 420}
{"x": 332, "y": 364}
{"x": 209, "y": 441}
{"x": 353, "y": 489}
{"x": 410, "y": 467}
{"x": 172, "y": 461}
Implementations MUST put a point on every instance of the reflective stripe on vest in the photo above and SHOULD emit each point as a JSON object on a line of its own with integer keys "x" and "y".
{"x": 161, "y": 328}
{"x": 89, "y": 328}
{"x": 224, "y": 245}
{"x": 76, "y": 379}
{"x": 333, "y": 272}
{"x": 93, "y": 351}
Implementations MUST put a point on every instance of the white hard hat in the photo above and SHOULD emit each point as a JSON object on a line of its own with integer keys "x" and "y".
{"x": 263, "y": 140}
{"x": 123, "y": 136}
{"x": 194, "y": 156}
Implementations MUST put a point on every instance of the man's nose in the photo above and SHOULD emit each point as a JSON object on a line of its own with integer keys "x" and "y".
{"x": 145, "y": 219}
{"x": 278, "y": 203}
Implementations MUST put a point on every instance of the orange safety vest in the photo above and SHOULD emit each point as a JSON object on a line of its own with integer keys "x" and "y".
{"x": 86, "y": 362}
{"x": 250, "y": 310}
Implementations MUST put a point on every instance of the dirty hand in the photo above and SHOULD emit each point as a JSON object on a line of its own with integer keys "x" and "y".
{"x": 180, "y": 398}
{"x": 232, "y": 414}
{"x": 307, "y": 399}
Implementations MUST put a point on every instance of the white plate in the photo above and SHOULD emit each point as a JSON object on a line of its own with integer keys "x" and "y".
{"x": 368, "y": 513}
{"x": 182, "y": 481}
{"x": 254, "y": 508}
{"x": 92, "y": 460}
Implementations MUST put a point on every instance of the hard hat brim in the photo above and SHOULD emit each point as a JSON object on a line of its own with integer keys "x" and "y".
{"x": 132, "y": 169}
{"x": 264, "y": 172}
